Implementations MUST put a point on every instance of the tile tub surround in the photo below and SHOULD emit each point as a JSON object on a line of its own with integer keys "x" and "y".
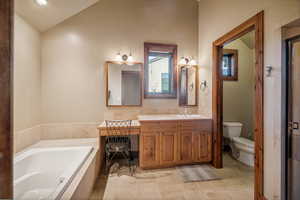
{"x": 30, "y": 136}
{"x": 26, "y": 137}
{"x": 159, "y": 108}
{"x": 83, "y": 182}
{"x": 237, "y": 184}
{"x": 69, "y": 130}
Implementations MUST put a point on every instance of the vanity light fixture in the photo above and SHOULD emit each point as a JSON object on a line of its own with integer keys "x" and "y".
{"x": 130, "y": 58}
{"x": 183, "y": 61}
{"x": 192, "y": 62}
{"x": 124, "y": 58}
{"x": 118, "y": 57}
{"x": 42, "y": 2}
{"x": 187, "y": 61}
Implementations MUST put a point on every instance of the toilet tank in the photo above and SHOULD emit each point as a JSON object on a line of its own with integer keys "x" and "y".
{"x": 232, "y": 129}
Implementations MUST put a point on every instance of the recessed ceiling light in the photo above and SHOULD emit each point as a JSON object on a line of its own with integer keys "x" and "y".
{"x": 42, "y": 2}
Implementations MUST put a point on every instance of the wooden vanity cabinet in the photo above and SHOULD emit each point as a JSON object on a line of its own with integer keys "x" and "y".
{"x": 175, "y": 142}
{"x": 185, "y": 150}
{"x": 202, "y": 146}
{"x": 149, "y": 145}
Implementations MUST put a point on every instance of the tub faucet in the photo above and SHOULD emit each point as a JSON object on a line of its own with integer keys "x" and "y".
{"x": 61, "y": 179}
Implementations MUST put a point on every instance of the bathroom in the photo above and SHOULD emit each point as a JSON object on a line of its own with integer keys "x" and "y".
{"x": 81, "y": 70}
{"x": 238, "y": 98}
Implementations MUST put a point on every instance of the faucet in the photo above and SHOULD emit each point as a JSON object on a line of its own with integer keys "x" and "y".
{"x": 186, "y": 111}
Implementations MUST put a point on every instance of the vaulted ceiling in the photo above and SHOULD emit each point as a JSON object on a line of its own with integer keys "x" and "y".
{"x": 45, "y": 17}
{"x": 249, "y": 39}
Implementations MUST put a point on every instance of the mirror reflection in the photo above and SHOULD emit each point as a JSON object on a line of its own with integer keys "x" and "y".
{"x": 160, "y": 66}
{"x": 124, "y": 84}
{"x": 188, "y": 78}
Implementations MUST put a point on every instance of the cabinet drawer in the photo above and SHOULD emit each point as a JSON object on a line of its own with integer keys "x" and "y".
{"x": 168, "y": 126}
{"x": 150, "y": 127}
{"x": 196, "y": 125}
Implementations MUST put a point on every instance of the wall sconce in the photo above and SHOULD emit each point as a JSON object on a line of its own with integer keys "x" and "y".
{"x": 130, "y": 58}
{"x": 187, "y": 61}
{"x": 124, "y": 58}
{"x": 203, "y": 85}
{"x": 118, "y": 57}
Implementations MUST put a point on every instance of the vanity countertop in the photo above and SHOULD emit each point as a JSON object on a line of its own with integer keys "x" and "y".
{"x": 170, "y": 117}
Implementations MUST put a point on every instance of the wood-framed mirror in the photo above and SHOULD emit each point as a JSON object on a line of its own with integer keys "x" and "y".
{"x": 160, "y": 70}
{"x": 188, "y": 85}
{"x": 124, "y": 84}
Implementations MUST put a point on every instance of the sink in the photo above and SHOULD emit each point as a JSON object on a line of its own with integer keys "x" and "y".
{"x": 188, "y": 116}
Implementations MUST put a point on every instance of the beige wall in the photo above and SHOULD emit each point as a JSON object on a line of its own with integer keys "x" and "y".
{"x": 216, "y": 18}
{"x": 238, "y": 95}
{"x": 74, "y": 52}
{"x": 27, "y": 84}
{"x": 27, "y": 75}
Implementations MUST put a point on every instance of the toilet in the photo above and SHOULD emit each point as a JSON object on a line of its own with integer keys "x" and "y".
{"x": 242, "y": 148}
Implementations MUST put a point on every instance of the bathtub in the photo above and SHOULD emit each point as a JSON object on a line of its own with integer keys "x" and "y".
{"x": 45, "y": 173}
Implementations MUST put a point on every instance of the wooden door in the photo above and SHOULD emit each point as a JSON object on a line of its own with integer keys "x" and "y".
{"x": 293, "y": 179}
{"x": 149, "y": 149}
{"x": 185, "y": 147}
{"x": 202, "y": 145}
{"x": 168, "y": 147}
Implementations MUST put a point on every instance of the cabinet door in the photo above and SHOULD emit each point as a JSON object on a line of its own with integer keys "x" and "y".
{"x": 168, "y": 147}
{"x": 202, "y": 145}
{"x": 185, "y": 147}
{"x": 149, "y": 150}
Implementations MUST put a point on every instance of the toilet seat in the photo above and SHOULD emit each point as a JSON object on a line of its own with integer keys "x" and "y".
{"x": 244, "y": 141}
{"x": 244, "y": 144}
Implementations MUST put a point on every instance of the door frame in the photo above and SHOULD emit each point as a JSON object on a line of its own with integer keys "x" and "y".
{"x": 254, "y": 23}
{"x": 6, "y": 71}
{"x": 287, "y": 39}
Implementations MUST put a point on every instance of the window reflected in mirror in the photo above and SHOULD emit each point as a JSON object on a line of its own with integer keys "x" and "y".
{"x": 230, "y": 65}
{"x": 160, "y": 71}
{"x": 160, "y": 68}
{"x": 124, "y": 84}
{"x": 188, "y": 86}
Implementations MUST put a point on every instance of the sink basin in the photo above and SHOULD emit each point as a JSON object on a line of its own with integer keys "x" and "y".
{"x": 190, "y": 116}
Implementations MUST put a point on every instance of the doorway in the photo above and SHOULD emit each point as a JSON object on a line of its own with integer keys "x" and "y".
{"x": 256, "y": 24}
{"x": 290, "y": 111}
{"x": 293, "y": 157}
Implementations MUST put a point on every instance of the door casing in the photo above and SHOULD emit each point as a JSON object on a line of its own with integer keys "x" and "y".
{"x": 6, "y": 71}
{"x": 255, "y": 23}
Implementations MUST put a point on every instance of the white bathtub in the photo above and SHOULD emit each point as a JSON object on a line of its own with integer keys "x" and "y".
{"x": 45, "y": 173}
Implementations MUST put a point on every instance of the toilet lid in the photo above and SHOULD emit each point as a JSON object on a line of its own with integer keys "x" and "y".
{"x": 244, "y": 141}
{"x": 232, "y": 124}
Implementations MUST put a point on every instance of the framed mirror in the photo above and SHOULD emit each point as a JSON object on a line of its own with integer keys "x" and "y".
{"x": 188, "y": 86}
{"x": 124, "y": 84}
{"x": 160, "y": 70}
{"x": 230, "y": 65}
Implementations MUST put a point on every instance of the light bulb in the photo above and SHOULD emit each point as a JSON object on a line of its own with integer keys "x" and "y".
{"x": 118, "y": 57}
{"x": 193, "y": 62}
{"x": 182, "y": 61}
{"x": 42, "y": 2}
{"x": 130, "y": 58}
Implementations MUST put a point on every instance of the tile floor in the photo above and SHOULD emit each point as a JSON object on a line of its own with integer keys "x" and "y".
{"x": 166, "y": 184}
